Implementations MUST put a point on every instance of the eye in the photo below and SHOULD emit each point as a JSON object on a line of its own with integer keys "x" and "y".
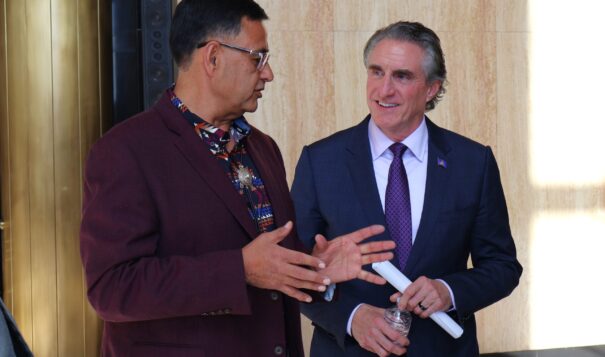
{"x": 375, "y": 72}
{"x": 256, "y": 57}
{"x": 401, "y": 75}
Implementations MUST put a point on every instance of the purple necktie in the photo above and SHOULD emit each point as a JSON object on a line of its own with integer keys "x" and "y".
{"x": 397, "y": 206}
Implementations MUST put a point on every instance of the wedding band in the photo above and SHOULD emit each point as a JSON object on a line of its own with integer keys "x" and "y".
{"x": 423, "y": 308}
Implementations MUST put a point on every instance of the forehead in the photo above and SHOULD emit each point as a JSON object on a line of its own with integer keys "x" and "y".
{"x": 397, "y": 55}
{"x": 252, "y": 34}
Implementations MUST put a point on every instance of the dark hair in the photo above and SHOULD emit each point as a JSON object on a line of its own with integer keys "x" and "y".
{"x": 196, "y": 21}
{"x": 417, "y": 33}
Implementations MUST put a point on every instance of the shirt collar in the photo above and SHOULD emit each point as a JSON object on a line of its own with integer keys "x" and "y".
{"x": 417, "y": 142}
{"x": 239, "y": 128}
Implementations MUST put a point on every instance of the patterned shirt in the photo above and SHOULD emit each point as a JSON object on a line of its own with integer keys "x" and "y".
{"x": 237, "y": 164}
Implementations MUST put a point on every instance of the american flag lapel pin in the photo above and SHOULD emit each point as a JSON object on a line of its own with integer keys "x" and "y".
{"x": 441, "y": 163}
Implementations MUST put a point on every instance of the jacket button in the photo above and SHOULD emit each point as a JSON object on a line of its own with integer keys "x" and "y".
{"x": 274, "y": 296}
{"x": 278, "y": 350}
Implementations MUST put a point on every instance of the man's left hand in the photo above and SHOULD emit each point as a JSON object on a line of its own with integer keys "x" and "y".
{"x": 424, "y": 296}
{"x": 345, "y": 255}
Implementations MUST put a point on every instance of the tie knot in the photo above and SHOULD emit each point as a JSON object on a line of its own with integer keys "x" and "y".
{"x": 398, "y": 149}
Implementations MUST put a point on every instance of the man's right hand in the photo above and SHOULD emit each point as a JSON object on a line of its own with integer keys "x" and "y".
{"x": 268, "y": 265}
{"x": 374, "y": 334}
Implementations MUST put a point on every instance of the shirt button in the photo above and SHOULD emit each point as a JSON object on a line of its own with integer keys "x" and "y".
{"x": 278, "y": 350}
{"x": 274, "y": 296}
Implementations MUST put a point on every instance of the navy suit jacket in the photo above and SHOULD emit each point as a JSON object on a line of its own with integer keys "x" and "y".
{"x": 464, "y": 214}
{"x": 161, "y": 242}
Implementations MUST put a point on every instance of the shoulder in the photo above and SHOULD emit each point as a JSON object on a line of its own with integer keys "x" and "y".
{"x": 342, "y": 139}
{"x": 451, "y": 142}
{"x": 144, "y": 131}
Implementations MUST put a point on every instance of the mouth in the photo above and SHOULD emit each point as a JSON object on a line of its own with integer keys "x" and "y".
{"x": 259, "y": 92}
{"x": 386, "y": 105}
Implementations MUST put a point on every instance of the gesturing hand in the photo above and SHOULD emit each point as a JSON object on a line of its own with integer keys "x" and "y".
{"x": 373, "y": 333}
{"x": 270, "y": 266}
{"x": 344, "y": 255}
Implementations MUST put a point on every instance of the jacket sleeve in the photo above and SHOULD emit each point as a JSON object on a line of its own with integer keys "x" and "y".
{"x": 495, "y": 270}
{"x": 120, "y": 236}
{"x": 330, "y": 316}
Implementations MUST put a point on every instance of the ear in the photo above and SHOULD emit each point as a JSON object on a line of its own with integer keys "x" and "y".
{"x": 209, "y": 58}
{"x": 433, "y": 89}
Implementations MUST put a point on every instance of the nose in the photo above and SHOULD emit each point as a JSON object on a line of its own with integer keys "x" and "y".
{"x": 386, "y": 87}
{"x": 267, "y": 73}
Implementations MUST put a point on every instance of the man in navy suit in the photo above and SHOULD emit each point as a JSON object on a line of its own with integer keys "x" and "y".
{"x": 454, "y": 199}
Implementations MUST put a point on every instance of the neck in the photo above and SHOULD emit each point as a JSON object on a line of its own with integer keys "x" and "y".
{"x": 200, "y": 102}
{"x": 400, "y": 133}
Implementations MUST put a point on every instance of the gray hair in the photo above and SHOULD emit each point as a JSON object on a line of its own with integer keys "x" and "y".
{"x": 415, "y": 32}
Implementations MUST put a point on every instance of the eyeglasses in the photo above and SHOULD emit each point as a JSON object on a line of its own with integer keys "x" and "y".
{"x": 262, "y": 56}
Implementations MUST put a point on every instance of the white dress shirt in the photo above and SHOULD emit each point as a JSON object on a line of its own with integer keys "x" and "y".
{"x": 415, "y": 160}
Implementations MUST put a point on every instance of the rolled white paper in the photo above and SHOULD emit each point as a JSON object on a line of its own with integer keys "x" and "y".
{"x": 401, "y": 282}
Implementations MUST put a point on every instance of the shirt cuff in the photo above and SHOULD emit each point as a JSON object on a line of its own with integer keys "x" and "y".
{"x": 350, "y": 322}
{"x": 451, "y": 295}
{"x": 329, "y": 294}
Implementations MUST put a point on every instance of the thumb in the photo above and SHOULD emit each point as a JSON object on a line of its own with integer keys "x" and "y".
{"x": 321, "y": 243}
{"x": 282, "y": 232}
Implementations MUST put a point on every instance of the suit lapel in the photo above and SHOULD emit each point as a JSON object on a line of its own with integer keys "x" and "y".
{"x": 202, "y": 161}
{"x": 361, "y": 170}
{"x": 267, "y": 170}
{"x": 436, "y": 185}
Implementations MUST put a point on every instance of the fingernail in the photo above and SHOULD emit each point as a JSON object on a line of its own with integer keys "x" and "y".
{"x": 322, "y": 265}
{"x": 308, "y": 299}
{"x": 322, "y": 288}
{"x": 326, "y": 281}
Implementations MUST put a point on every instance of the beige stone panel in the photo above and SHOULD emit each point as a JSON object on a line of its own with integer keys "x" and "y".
{"x": 469, "y": 107}
{"x": 495, "y": 333}
{"x": 298, "y": 106}
{"x": 307, "y": 333}
{"x": 362, "y": 15}
{"x": 512, "y": 16}
{"x": 350, "y": 78}
{"x": 296, "y": 15}
{"x": 446, "y": 15}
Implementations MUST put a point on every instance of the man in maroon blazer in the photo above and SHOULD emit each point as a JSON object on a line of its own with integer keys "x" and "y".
{"x": 186, "y": 236}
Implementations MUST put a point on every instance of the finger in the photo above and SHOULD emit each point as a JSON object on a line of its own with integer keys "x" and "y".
{"x": 304, "y": 284}
{"x": 423, "y": 290}
{"x": 280, "y": 233}
{"x": 395, "y": 342}
{"x": 371, "y": 278}
{"x": 364, "y": 233}
{"x": 394, "y": 297}
{"x": 376, "y": 257}
{"x": 295, "y": 294}
{"x": 385, "y": 338}
{"x": 321, "y": 242}
{"x": 374, "y": 343}
{"x": 299, "y": 258}
{"x": 304, "y": 274}
{"x": 407, "y": 294}
{"x": 374, "y": 247}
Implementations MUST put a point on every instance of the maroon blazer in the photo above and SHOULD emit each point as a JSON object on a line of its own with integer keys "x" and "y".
{"x": 161, "y": 242}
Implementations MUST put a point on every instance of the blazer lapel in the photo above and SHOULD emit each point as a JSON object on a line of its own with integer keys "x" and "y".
{"x": 268, "y": 169}
{"x": 436, "y": 186}
{"x": 361, "y": 170}
{"x": 202, "y": 161}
